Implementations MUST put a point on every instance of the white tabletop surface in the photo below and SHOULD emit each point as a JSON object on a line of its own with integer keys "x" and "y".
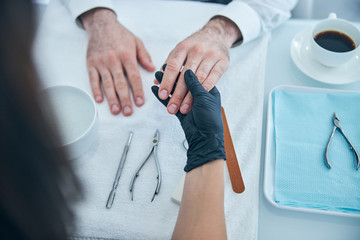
{"x": 273, "y": 223}
{"x": 60, "y": 50}
{"x": 279, "y": 224}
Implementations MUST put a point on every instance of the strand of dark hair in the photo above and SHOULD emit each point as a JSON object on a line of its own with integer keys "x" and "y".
{"x": 36, "y": 180}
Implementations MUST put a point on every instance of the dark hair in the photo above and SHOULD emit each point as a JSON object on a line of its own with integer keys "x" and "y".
{"x": 36, "y": 180}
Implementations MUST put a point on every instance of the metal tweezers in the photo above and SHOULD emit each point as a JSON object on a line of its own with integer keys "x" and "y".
{"x": 137, "y": 172}
{"x": 337, "y": 125}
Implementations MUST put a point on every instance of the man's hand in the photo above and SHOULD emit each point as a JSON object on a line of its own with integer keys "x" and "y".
{"x": 112, "y": 58}
{"x": 206, "y": 53}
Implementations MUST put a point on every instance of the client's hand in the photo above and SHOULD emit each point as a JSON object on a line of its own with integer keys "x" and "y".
{"x": 112, "y": 59}
{"x": 203, "y": 125}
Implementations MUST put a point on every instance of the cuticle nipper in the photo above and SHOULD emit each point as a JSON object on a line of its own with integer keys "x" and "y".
{"x": 137, "y": 172}
{"x": 337, "y": 125}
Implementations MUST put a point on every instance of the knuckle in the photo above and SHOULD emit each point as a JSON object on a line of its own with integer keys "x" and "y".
{"x": 225, "y": 58}
{"x": 134, "y": 76}
{"x": 201, "y": 76}
{"x": 117, "y": 74}
{"x": 224, "y": 66}
{"x": 121, "y": 84}
{"x": 112, "y": 59}
{"x": 176, "y": 98}
{"x": 198, "y": 49}
{"x": 217, "y": 72}
{"x": 180, "y": 46}
{"x": 211, "y": 54}
{"x": 126, "y": 56}
{"x": 91, "y": 61}
{"x": 173, "y": 66}
{"x": 107, "y": 84}
{"x": 188, "y": 99}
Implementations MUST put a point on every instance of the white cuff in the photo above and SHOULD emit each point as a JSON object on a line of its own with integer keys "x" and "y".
{"x": 78, "y": 7}
{"x": 246, "y": 19}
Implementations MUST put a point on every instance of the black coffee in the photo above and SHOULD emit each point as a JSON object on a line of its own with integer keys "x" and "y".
{"x": 335, "y": 41}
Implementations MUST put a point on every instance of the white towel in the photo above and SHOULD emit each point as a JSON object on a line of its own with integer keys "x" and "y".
{"x": 60, "y": 50}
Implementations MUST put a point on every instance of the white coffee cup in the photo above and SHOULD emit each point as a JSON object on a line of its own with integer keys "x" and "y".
{"x": 331, "y": 58}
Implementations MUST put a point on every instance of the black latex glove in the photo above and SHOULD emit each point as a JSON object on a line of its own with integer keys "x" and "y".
{"x": 203, "y": 125}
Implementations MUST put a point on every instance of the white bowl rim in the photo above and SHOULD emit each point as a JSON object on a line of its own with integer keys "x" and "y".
{"x": 91, "y": 125}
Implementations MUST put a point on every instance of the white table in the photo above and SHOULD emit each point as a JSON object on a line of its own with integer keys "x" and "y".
{"x": 60, "y": 50}
{"x": 282, "y": 224}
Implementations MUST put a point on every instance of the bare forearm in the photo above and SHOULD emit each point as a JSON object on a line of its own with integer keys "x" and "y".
{"x": 201, "y": 214}
{"x": 97, "y": 18}
{"x": 225, "y": 29}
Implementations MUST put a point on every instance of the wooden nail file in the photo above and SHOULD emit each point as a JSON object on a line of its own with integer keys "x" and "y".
{"x": 232, "y": 164}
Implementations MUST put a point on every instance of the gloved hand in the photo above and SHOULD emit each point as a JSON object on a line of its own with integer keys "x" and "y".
{"x": 203, "y": 125}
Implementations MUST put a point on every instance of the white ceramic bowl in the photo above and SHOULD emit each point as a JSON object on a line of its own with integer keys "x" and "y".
{"x": 75, "y": 114}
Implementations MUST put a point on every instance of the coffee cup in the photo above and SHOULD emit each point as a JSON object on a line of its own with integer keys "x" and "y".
{"x": 334, "y": 41}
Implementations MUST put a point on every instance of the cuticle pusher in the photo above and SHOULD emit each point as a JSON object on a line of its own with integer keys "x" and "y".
{"x": 118, "y": 173}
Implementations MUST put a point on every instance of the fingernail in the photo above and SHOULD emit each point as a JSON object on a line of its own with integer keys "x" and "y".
{"x": 185, "y": 108}
{"x": 172, "y": 108}
{"x": 163, "y": 94}
{"x": 127, "y": 110}
{"x": 115, "y": 108}
{"x": 139, "y": 101}
{"x": 98, "y": 98}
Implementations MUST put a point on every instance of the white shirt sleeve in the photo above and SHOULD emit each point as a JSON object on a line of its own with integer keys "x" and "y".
{"x": 78, "y": 7}
{"x": 255, "y": 17}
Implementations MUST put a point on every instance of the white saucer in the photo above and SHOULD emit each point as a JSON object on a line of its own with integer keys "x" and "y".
{"x": 300, "y": 54}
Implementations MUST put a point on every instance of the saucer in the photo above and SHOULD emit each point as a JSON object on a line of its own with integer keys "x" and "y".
{"x": 301, "y": 55}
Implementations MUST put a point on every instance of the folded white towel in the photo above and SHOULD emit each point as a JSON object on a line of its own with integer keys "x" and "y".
{"x": 60, "y": 52}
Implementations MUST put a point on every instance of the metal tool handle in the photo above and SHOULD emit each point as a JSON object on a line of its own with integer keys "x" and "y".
{"x": 110, "y": 200}
{"x": 357, "y": 161}
{"x": 118, "y": 172}
{"x": 122, "y": 161}
{"x": 327, "y": 148}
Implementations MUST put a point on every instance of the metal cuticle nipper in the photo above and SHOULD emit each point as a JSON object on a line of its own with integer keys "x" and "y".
{"x": 337, "y": 125}
{"x": 137, "y": 172}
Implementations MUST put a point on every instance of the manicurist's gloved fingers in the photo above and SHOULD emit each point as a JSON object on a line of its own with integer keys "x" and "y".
{"x": 193, "y": 84}
{"x": 202, "y": 125}
{"x": 156, "y": 80}
{"x": 202, "y": 74}
{"x": 159, "y": 76}
{"x": 155, "y": 90}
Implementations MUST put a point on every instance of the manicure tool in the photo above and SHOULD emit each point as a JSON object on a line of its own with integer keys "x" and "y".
{"x": 137, "y": 172}
{"x": 337, "y": 125}
{"x": 118, "y": 173}
{"x": 232, "y": 164}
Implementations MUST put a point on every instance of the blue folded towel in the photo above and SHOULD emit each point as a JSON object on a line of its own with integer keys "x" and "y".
{"x": 302, "y": 127}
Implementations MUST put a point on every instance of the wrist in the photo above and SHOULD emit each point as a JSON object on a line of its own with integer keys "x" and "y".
{"x": 224, "y": 28}
{"x": 97, "y": 17}
{"x": 204, "y": 148}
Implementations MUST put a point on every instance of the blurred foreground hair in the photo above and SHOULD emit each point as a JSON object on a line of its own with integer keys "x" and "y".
{"x": 36, "y": 180}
